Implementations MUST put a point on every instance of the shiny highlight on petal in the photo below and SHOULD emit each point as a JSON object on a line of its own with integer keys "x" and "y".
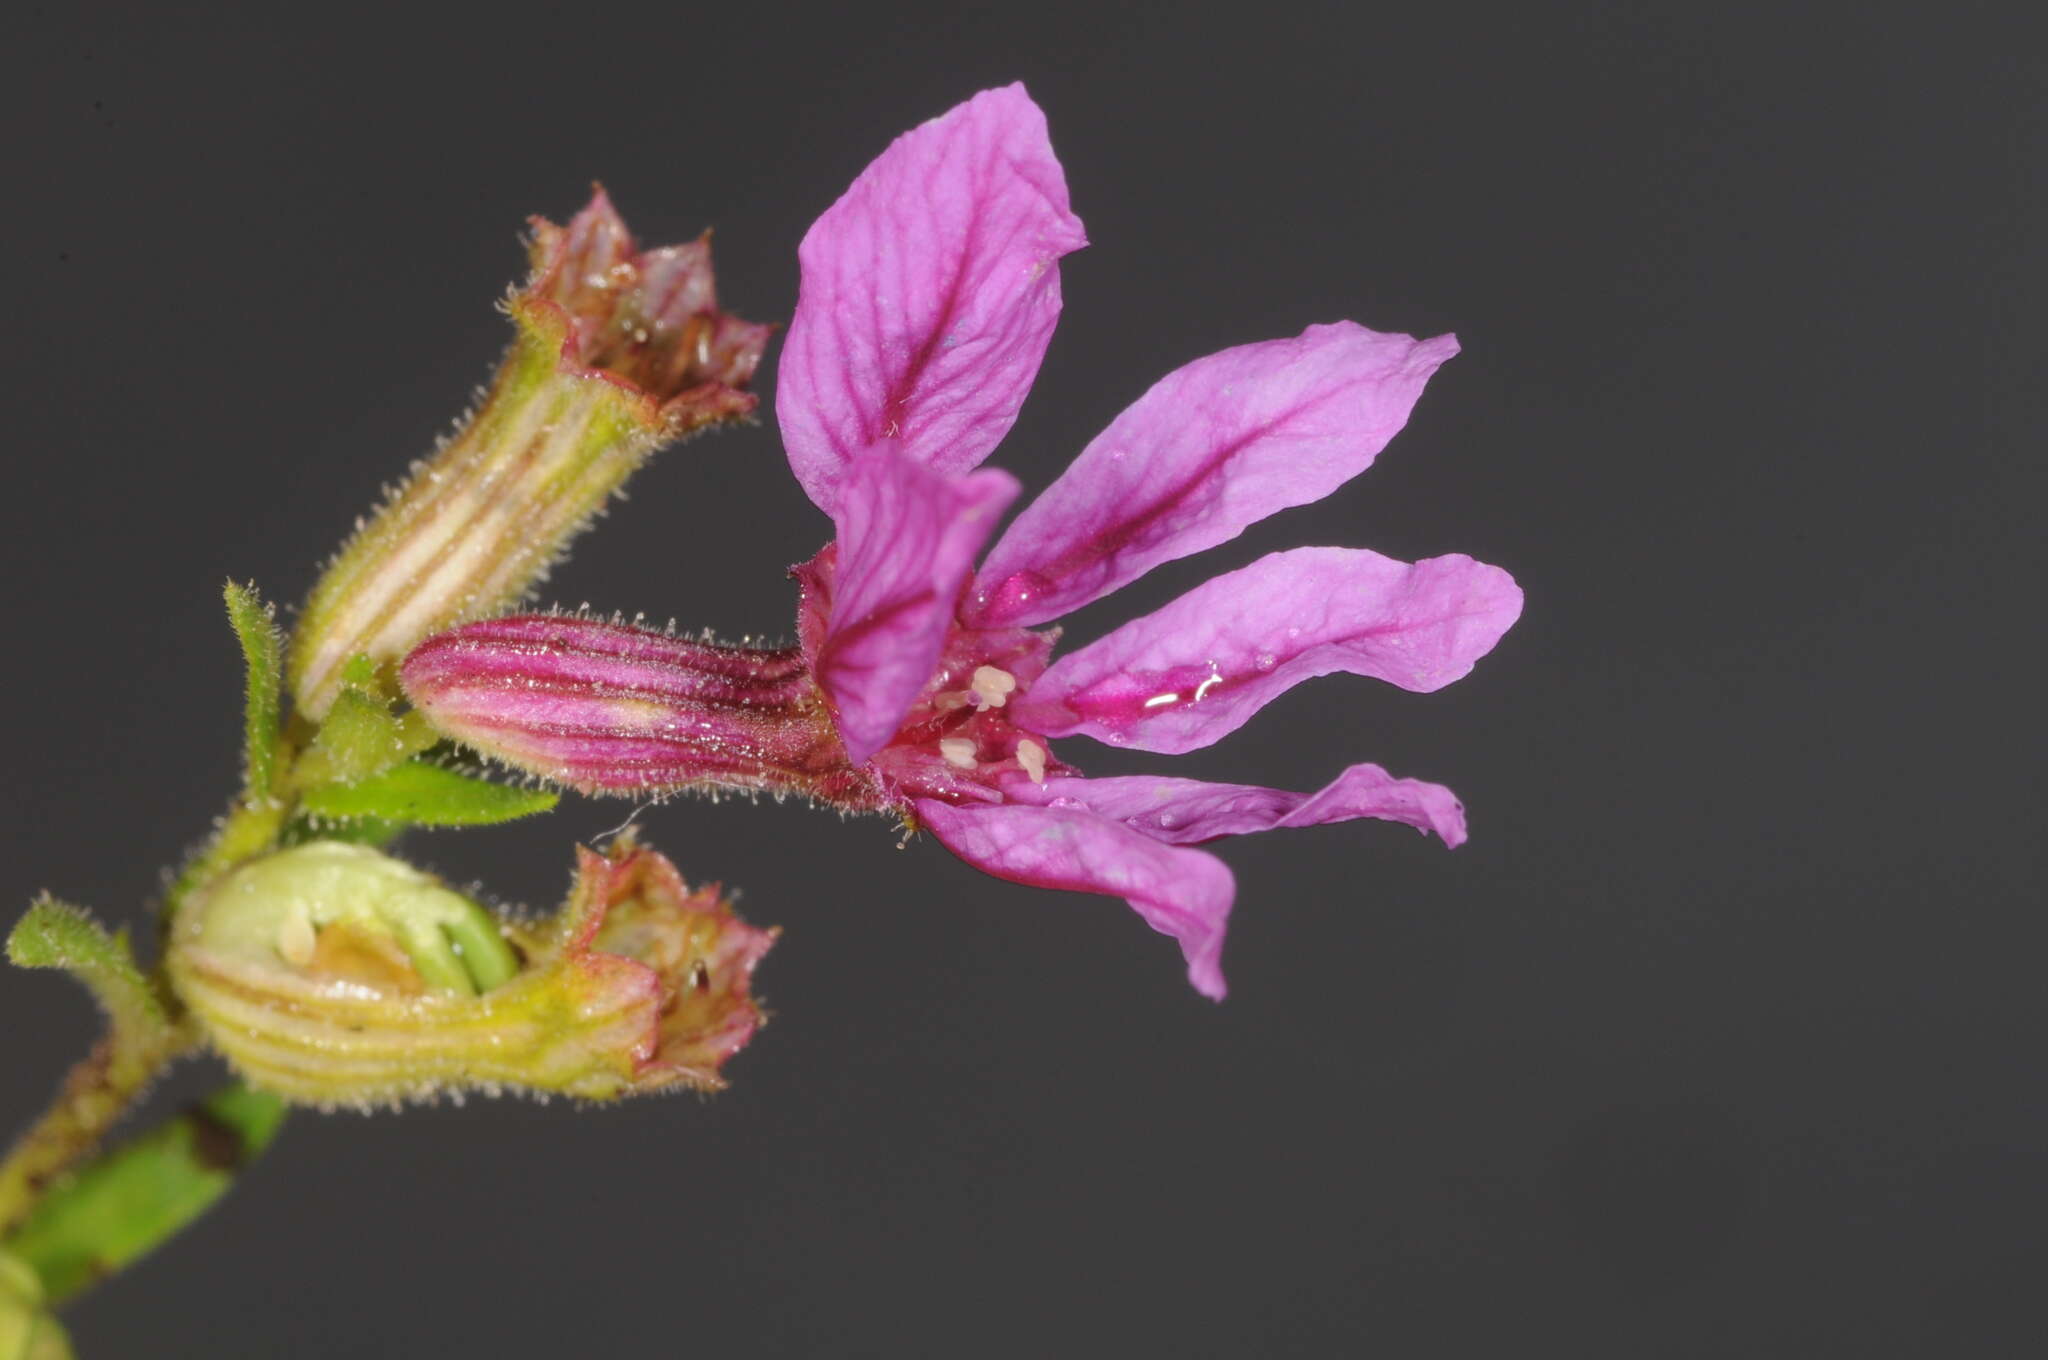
{"x": 1195, "y": 671}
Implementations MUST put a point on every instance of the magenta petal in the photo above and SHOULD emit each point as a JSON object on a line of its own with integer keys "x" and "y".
{"x": 1191, "y": 811}
{"x": 1182, "y": 893}
{"x": 907, "y": 539}
{"x": 1214, "y": 446}
{"x": 929, "y": 293}
{"x": 1197, "y": 670}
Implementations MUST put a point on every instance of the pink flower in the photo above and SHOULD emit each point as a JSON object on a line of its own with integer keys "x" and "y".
{"x": 921, "y": 684}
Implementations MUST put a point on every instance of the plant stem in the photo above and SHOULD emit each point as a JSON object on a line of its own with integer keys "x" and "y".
{"x": 250, "y": 828}
{"x": 93, "y": 1097}
{"x": 106, "y": 1213}
{"x": 148, "y": 1028}
{"x": 121, "y": 1066}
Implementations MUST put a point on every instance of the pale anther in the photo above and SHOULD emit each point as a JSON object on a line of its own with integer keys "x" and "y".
{"x": 296, "y": 940}
{"x": 1032, "y": 757}
{"x": 958, "y": 751}
{"x": 992, "y": 686}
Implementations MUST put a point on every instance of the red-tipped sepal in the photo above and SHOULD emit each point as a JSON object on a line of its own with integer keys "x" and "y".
{"x": 648, "y": 320}
{"x": 619, "y": 351}
{"x": 633, "y": 925}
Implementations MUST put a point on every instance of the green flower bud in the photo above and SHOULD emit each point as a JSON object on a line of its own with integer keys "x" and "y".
{"x": 333, "y": 974}
{"x": 27, "y": 1332}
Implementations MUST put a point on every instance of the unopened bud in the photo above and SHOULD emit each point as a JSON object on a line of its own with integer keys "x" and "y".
{"x": 27, "y": 1331}
{"x": 619, "y": 351}
{"x": 333, "y": 974}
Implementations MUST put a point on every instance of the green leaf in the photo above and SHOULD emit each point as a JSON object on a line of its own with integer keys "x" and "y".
{"x": 426, "y": 794}
{"x": 262, "y": 650}
{"x": 55, "y": 934}
{"x": 374, "y": 832}
{"x": 359, "y": 672}
{"x": 121, "y": 1205}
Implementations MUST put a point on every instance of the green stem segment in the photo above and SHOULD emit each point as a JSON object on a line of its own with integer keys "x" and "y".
{"x": 128, "y": 1202}
{"x": 247, "y": 831}
{"x": 95, "y": 1094}
{"x": 147, "y": 1029}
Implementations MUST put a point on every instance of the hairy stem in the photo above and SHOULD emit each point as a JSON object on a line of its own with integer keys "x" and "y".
{"x": 138, "y": 1045}
{"x": 92, "y": 1099}
{"x": 249, "y": 829}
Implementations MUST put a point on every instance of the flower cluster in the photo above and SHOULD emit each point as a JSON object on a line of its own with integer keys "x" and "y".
{"x": 925, "y": 684}
{"x": 926, "y": 680}
{"x": 326, "y": 971}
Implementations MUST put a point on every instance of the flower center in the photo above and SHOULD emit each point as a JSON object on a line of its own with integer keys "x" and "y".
{"x": 991, "y": 686}
{"x": 958, "y": 742}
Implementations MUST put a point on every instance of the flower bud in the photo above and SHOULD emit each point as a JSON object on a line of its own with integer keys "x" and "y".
{"x": 27, "y": 1331}
{"x": 618, "y": 352}
{"x": 333, "y": 974}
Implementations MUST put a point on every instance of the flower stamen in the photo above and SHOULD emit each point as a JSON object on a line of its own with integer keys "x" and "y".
{"x": 992, "y": 686}
{"x": 296, "y": 940}
{"x": 1031, "y": 756}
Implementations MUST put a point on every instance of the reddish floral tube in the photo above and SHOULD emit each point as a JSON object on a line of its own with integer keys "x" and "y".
{"x": 607, "y": 708}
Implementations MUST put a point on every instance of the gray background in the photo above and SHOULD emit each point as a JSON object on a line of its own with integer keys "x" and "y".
{"x": 1721, "y": 1037}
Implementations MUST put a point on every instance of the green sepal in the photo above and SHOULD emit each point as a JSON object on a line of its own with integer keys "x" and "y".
{"x": 360, "y": 673}
{"x": 56, "y": 934}
{"x": 127, "y": 1202}
{"x": 27, "y": 1331}
{"x": 262, "y": 656}
{"x": 422, "y": 793}
{"x": 361, "y": 738}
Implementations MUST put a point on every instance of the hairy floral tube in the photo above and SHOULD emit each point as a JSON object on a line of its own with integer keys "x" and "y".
{"x": 619, "y": 351}
{"x": 613, "y": 708}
